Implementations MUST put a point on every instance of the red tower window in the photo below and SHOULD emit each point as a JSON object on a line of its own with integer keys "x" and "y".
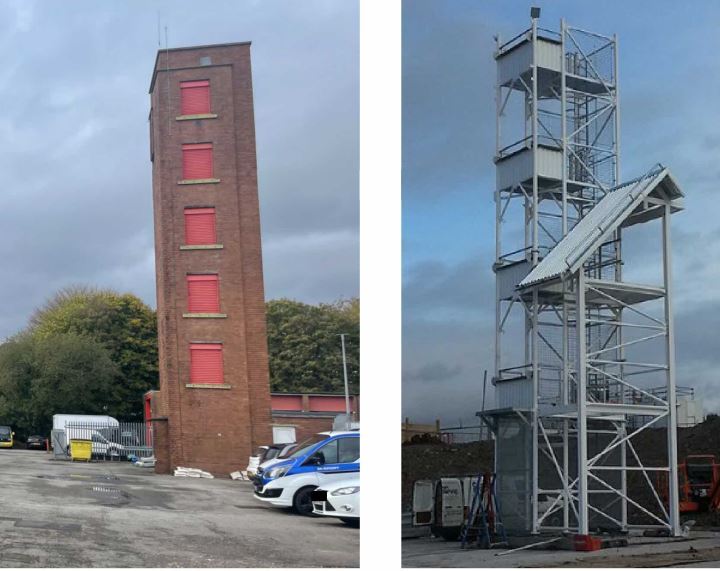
{"x": 206, "y": 363}
{"x": 200, "y": 226}
{"x": 203, "y": 293}
{"x": 197, "y": 161}
{"x": 194, "y": 97}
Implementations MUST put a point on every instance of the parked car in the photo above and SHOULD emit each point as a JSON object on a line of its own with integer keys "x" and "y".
{"x": 290, "y": 482}
{"x": 295, "y": 491}
{"x": 265, "y": 454}
{"x": 340, "y": 499}
{"x": 101, "y": 444}
{"x": 7, "y": 437}
{"x": 35, "y": 442}
{"x": 255, "y": 460}
{"x": 267, "y": 462}
{"x": 284, "y": 450}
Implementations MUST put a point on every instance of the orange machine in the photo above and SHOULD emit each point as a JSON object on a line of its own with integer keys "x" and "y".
{"x": 698, "y": 484}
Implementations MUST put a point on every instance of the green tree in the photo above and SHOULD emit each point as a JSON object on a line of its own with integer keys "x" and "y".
{"x": 91, "y": 351}
{"x": 304, "y": 345}
{"x": 121, "y": 323}
{"x": 39, "y": 377}
{"x": 17, "y": 371}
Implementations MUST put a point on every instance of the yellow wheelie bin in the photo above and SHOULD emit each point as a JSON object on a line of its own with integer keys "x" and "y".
{"x": 81, "y": 449}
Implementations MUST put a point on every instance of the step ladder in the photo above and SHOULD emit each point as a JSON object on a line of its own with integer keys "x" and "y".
{"x": 484, "y": 528}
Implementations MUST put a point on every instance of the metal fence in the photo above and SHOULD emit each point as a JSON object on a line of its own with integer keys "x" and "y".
{"x": 109, "y": 441}
{"x": 461, "y": 435}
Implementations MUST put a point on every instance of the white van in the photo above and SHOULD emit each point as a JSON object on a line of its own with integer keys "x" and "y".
{"x": 443, "y": 504}
{"x": 101, "y": 444}
{"x": 94, "y": 427}
{"x": 60, "y": 420}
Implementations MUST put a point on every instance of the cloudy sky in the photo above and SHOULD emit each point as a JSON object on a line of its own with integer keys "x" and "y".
{"x": 669, "y": 80}
{"x": 76, "y": 199}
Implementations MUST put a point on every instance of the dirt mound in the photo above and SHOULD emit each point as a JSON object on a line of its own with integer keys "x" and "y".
{"x": 651, "y": 446}
{"x": 437, "y": 460}
{"x": 434, "y": 460}
{"x": 704, "y": 438}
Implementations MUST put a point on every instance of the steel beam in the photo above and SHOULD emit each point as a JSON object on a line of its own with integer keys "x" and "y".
{"x": 581, "y": 372}
{"x": 671, "y": 395}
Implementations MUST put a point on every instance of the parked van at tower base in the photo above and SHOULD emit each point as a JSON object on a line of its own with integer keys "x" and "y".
{"x": 290, "y": 482}
{"x": 443, "y": 504}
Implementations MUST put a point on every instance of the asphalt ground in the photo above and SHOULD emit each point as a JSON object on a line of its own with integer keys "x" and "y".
{"x": 701, "y": 549}
{"x": 113, "y": 514}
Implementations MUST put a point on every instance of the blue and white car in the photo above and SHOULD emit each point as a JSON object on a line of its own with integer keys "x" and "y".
{"x": 327, "y": 456}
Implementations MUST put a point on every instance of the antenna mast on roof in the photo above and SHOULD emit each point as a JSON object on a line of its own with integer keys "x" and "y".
{"x": 167, "y": 76}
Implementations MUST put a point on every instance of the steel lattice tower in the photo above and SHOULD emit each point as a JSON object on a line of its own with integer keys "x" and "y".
{"x": 572, "y": 394}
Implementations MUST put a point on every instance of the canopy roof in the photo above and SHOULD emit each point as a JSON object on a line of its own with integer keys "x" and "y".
{"x": 635, "y": 201}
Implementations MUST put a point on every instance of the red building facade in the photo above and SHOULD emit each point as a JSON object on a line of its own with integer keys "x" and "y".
{"x": 213, "y": 406}
{"x": 304, "y": 415}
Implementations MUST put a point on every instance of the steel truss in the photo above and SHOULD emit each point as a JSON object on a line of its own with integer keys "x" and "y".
{"x": 565, "y": 376}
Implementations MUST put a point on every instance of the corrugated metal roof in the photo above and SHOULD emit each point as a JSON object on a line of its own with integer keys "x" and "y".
{"x": 607, "y": 215}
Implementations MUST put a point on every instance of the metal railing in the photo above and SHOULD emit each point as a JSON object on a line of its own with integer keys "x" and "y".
{"x": 109, "y": 441}
{"x": 463, "y": 435}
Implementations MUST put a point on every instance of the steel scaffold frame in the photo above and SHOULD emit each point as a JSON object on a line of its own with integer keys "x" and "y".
{"x": 577, "y": 386}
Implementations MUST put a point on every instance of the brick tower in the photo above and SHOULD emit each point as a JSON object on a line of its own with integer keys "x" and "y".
{"x": 213, "y": 406}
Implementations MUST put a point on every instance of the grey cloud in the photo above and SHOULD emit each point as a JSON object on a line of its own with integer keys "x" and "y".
{"x": 292, "y": 263}
{"x": 435, "y": 372}
{"x": 466, "y": 287}
{"x": 76, "y": 205}
{"x": 444, "y": 357}
{"x": 448, "y": 140}
{"x": 446, "y": 63}
{"x": 438, "y": 346}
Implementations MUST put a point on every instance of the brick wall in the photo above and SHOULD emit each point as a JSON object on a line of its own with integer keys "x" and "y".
{"x": 215, "y": 429}
{"x": 304, "y": 426}
{"x": 160, "y": 443}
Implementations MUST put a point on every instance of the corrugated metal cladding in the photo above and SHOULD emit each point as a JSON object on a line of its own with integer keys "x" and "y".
{"x": 549, "y": 54}
{"x": 518, "y": 61}
{"x": 197, "y": 161}
{"x": 570, "y": 253}
{"x": 203, "y": 293}
{"x": 194, "y": 97}
{"x": 206, "y": 363}
{"x": 517, "y": 394}
{"x": 519, "y": 167}
{"x": 509, "y": 277}
{"x": 200, "y": 226}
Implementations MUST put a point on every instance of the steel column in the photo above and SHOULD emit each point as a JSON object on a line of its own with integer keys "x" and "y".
{"x": 671, "y": 395}
{"x": 581, "y": 378}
